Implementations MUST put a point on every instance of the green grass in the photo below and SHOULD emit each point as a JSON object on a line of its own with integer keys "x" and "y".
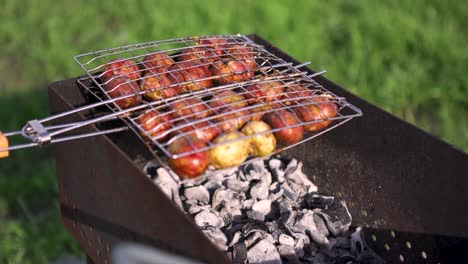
{"x": 408, "y": 57}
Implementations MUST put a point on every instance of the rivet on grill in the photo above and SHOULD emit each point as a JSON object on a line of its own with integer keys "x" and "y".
{"x": 402, "y": 259}
{"x": 374, "y": 237}
{"x": 408, "y": 244}
{"x": 387, "y": 247}
{"x": 423, "y": 255}
{"x": 392, "y": 234}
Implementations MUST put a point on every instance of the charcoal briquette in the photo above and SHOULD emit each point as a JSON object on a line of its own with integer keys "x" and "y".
{"x": 247, "y": 204}
{"x": 337, "y": 217}
{"x": 289, "y": 192}
{"x": 284, "y": 217}
{"x": 235, "y": 238}
{"x": 209, "y": 218}
{"x": 259, "y": 190}
{"x": 239, "y": 253}
{"x": 199, "y": 193}
{"x": 288, "y": 253}
{"x": 345, "y": 260}
{"x": 317, "y": 200}
{"x": 320, "y": 224}
{"x": 263, "y": 252}
{"x": 236, "y": 184}
{"x": 254, "y": 226}
{"x": 284, "y": 239}
{"x": 216, "y": 236}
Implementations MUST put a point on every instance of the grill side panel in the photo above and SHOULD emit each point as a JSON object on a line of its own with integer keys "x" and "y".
{"x": 105, "y": 197}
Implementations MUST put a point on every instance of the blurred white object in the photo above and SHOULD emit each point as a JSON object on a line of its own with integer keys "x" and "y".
{"x": 130, "y": 253}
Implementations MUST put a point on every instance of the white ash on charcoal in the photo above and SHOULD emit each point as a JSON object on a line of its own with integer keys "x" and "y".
{"x": 268, "y": 211}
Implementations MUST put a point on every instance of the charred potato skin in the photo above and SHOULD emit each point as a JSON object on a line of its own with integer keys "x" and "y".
{"x": 120, "y": 86}
{"x": 161, "y": 86}
{"x": 216, "y": 44}
{"x": 264, "y": 92}
{"x": 157, "y": 63}
{"x": 238, "y": 65}
{"x": 190, "y": 108}
{"x": 189, "y": 166}
{"x": 202, "y": 131}
{"x": 294, "y": 94}
{"x": 200, "y": 55}
{"x": 121, "y": 68}
{"x": 190, "y": 76}
{"x": 290, "y": 131}
{"x": 231, "y": 118}
{"x": 321, "y": 109}
{"x": 155, "y": 124}
{"x": 228, "y": 99}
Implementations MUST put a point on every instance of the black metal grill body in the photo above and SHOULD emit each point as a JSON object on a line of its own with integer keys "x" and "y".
{"x": 407, "y": 188}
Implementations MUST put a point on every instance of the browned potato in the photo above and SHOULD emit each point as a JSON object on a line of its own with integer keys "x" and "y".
{"x": 199, "y": 55}
{"x": 290, "y": 131}
{"x": 231, "y": 118}
{"x": 157, "y": 62}
{"x": 216, "y": 44}
{"x": 196, "y": 76}
{"x": 190, "y": 166}
{"x": 296, "y": 93}
{"x": 228, "y": 99}
{"x": 201, "y": 131}
{"x": 323, "y": 110}
{"x": 121, "y": 68}
{"x": 191, "y": 108}
{"x": 239, "y": 65}
{"x": 160, "y": 86}
{"x": 155, "y": 123}
{"x": 120, "y": 86}
{"x": 264, "y": 92}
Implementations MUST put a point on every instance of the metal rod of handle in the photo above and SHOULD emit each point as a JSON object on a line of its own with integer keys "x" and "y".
{"x": 67, "y": 138}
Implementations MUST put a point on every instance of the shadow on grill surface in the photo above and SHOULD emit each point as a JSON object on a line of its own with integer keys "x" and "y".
{"x": 407, "y": 188}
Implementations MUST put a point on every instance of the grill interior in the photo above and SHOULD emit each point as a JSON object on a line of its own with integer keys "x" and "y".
{"x": 406, "y": 187}
{"x": 293, "y": 88}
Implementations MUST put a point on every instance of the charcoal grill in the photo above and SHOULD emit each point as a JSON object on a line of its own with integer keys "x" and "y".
{"x": 406, "y": 187}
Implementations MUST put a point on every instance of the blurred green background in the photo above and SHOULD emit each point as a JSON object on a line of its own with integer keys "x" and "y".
{"x": 408, "y": 57}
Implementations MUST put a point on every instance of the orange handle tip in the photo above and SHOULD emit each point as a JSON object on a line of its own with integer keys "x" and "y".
{"x": 3, "y": 145}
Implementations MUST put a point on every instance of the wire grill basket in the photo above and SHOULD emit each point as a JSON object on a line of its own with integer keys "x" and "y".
{"x": 198, "y": 86}
{"x": 206, "y": 107}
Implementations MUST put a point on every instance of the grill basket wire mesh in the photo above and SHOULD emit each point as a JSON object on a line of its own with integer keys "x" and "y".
{"x": 269, "y": 69}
